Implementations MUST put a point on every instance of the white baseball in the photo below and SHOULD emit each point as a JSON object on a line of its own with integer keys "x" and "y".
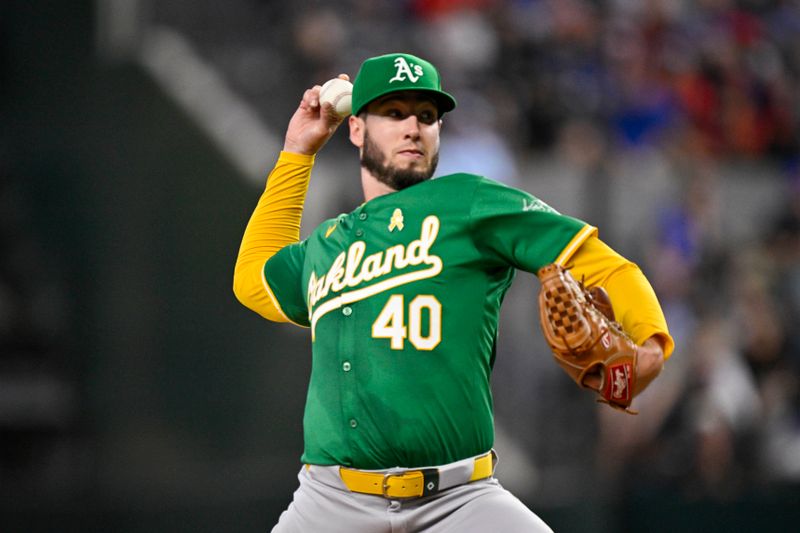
{"x": 339, "y": 93}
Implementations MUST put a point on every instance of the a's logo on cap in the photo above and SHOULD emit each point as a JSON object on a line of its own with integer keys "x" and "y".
{"x": 404, "y": 71}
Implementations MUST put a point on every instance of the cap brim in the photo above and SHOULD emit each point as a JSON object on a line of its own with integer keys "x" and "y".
{"x": 444, "y": 101}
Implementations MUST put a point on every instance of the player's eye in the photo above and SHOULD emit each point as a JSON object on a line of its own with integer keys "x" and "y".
{"x": 393, "y": 112}
{"x": 427, "y": 116}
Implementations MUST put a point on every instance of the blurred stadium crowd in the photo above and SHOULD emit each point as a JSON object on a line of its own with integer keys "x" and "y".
{"x": 687, "y": 90}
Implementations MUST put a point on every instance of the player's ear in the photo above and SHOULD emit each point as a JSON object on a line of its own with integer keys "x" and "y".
{"x": 357, "y": 126}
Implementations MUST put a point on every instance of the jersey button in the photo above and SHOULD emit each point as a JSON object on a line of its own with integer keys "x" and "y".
{"x": 347, "y": 311}
{"x": 346, "y": 366}
{"x": 353, "y": 423}
{"x": 359, "y": 233}
{"x": 362, "y": 216}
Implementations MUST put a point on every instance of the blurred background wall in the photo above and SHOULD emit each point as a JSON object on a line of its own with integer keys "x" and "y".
{"x": 137, "y": 395}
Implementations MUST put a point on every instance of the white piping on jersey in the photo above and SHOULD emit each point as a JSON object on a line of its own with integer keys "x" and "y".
{"x": 343, "y": 274}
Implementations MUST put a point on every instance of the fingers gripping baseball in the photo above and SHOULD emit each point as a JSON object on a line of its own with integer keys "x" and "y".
{"x": 312, "y": 124}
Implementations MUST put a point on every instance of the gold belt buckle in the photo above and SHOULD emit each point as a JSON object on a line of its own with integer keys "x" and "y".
{"x": 385, "y": 487}
{"x": 385, "y": 484}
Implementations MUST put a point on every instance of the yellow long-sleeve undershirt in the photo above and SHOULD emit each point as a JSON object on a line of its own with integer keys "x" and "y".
{"x": 274, "y": 224}
{"x": 632, "y": 297}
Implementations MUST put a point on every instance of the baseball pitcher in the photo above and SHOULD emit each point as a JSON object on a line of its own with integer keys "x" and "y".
{"x": 401, "y": 297}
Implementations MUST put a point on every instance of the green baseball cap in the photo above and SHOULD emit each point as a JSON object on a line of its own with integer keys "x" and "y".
{"x": 391, "y": 73}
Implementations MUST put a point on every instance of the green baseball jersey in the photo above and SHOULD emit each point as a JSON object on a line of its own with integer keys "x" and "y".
{"x": 403, "y": 296}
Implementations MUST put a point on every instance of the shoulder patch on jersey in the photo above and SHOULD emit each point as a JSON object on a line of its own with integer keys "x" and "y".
{"x": 534, "y": 204}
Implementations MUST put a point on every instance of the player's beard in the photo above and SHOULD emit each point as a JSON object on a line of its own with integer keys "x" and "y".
{"x": 398, "y": 179}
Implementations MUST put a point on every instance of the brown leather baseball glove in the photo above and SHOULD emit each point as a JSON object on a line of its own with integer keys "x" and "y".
{"x": 578, "y": 324}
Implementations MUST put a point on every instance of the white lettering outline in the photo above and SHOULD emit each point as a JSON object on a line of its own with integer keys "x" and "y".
{"x": 416, "y": 253}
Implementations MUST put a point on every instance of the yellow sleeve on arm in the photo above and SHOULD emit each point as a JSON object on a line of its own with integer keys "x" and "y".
{"x": 274, "y": 224}
{"x": 632, "y": 297}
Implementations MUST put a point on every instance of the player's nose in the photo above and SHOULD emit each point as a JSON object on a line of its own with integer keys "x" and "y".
{"x": 411, "y": 126}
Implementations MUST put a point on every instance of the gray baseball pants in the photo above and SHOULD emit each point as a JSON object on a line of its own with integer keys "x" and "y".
{"x": 323, "y": 504}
